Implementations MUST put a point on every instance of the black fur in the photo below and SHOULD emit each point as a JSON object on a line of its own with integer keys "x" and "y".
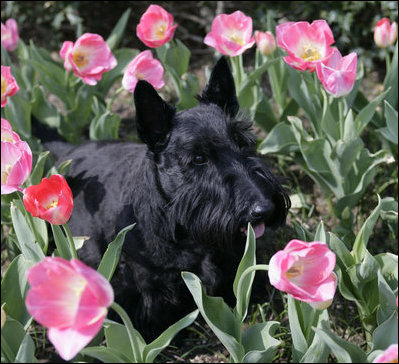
{"x": 191, "y": 188}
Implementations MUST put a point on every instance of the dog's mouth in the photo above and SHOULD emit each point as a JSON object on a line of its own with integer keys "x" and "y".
{"x": 259, "y": 230}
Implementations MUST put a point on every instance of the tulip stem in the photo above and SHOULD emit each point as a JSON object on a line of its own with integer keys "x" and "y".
{"x": 70, "y": 240}
{"x": 114, "y": 96}
{"x": 387, "y": 60}
{"x": 130, "y": 331}
{"x": 249, "y": 270}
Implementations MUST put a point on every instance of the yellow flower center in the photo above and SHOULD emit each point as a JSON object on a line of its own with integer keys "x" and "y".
{"x": 236, "y": 39}
{"x": 5, "y": 173}
{"x": 160, "y": 31}
{"x": 52, "y": 204}
{"x": 79, "y": 59}
{"x": 3, "y": 85}
{"x": 310, "y": 53}
{"x": 6, "y": 137}
{"x": 295, "y": 271}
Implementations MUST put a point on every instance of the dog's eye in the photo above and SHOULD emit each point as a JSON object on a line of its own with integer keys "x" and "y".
{"x": 200, "y": 159}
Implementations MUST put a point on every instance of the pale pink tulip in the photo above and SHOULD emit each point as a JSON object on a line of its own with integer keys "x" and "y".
{"x": 306, "y": 44}
{"x": 9, "y": 35}
{"x": 70, "y": 299}
{"x": 337, "y": 74}
{"x": 390, "y": 355}
{"x": 231, "y": 34}
{"x": 143, "y": 67}
{"x": 155, "y": 27}
{"x": 265, "y": 42}
{"x": 16, "y": 159}
{"x": 385, "y": 33}
{"x": 9, "y": 85}
{"x": 305, "y": 271}
{"x": 88, "y": 58}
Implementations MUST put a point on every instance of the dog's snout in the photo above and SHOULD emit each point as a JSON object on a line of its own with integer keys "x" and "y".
{"x": 262, "y": 211}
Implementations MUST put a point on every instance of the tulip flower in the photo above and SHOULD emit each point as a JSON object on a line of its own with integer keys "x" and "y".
{"x": 306, "y": 44}
{"x": 337, "y": 74}
{"x": 70, "y": 299}
{"x": 143, "y": 67}
{"x": 390, "y": 355}
{"x": 9, "y": 85}
{"x": 305, "y": 271}
{"x": 265, "y": 42}
{"x": 231, "y": 34}
{"x": 155, "y": 27}
{"x": 16, "y": 159}
{"x": 89, "y": 57}
{"x": 9, "y": 35}
{"x": 50, "y": 200}
{"x": 385, "y": 33}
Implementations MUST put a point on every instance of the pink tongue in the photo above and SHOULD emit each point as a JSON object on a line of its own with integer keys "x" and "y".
{"x": 258, "y": 230}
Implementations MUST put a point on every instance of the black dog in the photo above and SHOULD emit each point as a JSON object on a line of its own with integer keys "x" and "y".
{"x": 191, "y": 188}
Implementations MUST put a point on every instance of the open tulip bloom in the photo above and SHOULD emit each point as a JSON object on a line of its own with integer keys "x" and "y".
{"x": 9, "y": 85}
{"x": 305, "y": 271}
{"x": 70, "y": 299}
{"x": 231, "y": 34}
{"x": 9, "y": 35}
{"x": 156, "y": 27}
{"x": 306, "y": 44}
{"x": 338, "y": 74}
{"x": 50, "y": 200}
{"x": 390, "y": 355}
{"x": 16, "y": 159}
{"x": 89, "y": 57}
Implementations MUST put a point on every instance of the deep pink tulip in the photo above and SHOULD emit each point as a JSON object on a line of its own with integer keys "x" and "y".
{"x": 306, "y": 44}
{"x": 305, "y": 271}
{"x": 9, "y": 85}
{"x": 89, "y": 57}
{"x": 265, "y": 42}
{"x": 390, "y": 355}
{"x": 337, "y": 74}
{"x": 70, "y": 299}
{"x": 143, "y": 67}
{"x": 16, "y": 159}
{"x": 50, "y": 200}
{"x": 9, "y": 35}
{"x": 385, "y": 33}
{"x": 155, "y": 27}
{"x": 231, "y": 34}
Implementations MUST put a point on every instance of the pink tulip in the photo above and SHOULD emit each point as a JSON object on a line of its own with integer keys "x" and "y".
{"x": 143, "y": 67}
{"x": 9, "y": 35}
{"x": 337, "y": 74}
{"x": 305, "y": 271}
{"x": 16, "y": 159}
{"x": 9, "y": 85}
{"x": 385, "y": 34}
{"x": 156, "y": 27}
{"x": 390, "y": 355}
{"x": 265, "y": 42}
{"x": 50, "y": 200}
{"x": 88, "y": 58}
{"x": 306, "y": 44}
{"x": 231, "y": 34}
{"x": 70, "y": 299}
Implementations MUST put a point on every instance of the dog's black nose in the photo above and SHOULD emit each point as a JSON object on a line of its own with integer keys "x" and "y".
{"x": 262, "y": 211}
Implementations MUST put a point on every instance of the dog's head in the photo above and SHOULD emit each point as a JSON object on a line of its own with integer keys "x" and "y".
{"x": 206, "y": 165}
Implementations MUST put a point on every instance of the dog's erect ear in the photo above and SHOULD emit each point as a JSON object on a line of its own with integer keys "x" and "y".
{"x": 220, "y": 89}
{"x": 153, "y": 116}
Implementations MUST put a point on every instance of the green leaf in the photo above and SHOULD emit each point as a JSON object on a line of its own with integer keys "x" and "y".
{"x": 388, "y": 263}
{"x": 299, "y": 343}
{"x": 14, "y": 286}
{"x": 386, "y": 333}
{"x": 344, "y": 351}
{"x": 26, "y": 351}
{"x": 18, "y": 113}
{"x": 387, "y": 299}
{"x": 264, "y": 115}
{"x": 390, "y": 132}
{"x": 106, "y": 355}
{"x": 176, "y": 56}
{"x": 45, "y": 112}
{"x": 259, "y": 343}
{"x": 117, "y": 33}
{"x": 346, "y": 152}
{"x": 280, "y": 140}
{"x": 117, "y": 338}
{"x": 37, "y": 172}
{"x": 243, "y": 291}
{"x": 61, "y": 243}
{"x": 111, "y": 256}
{"x": 219, "y": 317}
{"x": 367, "y": 113}
{"x": 27, "y": 245}
{"x": 320, "y": 233}
{"x": 343, "y": 254}
{"x": 163, "y": 340}
{"x": 391, "y": 80}
{"x": 105, "y": 126}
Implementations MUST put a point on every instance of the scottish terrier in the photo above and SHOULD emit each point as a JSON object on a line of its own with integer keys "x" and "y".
{"x": 191, "y": 188}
